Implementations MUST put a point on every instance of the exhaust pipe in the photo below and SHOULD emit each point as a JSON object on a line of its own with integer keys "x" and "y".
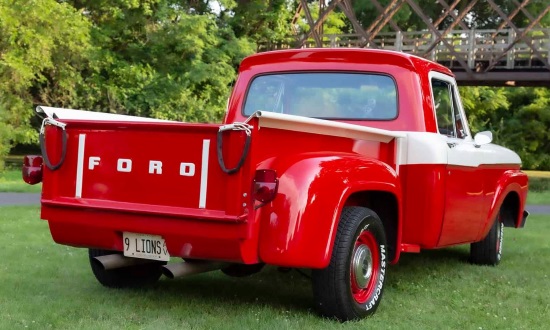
{"x": 191, "y": 267}
{"x": 114, "y": 261}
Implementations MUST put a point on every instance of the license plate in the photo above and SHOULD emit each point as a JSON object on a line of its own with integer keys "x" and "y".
{"x": 145, "y": 246}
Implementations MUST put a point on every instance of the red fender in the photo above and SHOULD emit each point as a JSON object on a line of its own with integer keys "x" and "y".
{"x": 298, "y": 228}
{"x": 510, "y": 181}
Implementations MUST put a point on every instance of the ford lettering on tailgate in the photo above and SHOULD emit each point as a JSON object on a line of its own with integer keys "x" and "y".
{"x": 155, "y": 166}
{"x": 131, "y": 167}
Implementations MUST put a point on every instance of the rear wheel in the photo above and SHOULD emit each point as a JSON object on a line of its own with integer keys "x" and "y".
{"x": 126, "y": 277}
{"x": 351, "y": 286}
{"x": 489, "y": 250}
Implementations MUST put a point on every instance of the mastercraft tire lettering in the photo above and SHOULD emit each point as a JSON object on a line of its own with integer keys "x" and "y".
{"x": 351, "y": 287}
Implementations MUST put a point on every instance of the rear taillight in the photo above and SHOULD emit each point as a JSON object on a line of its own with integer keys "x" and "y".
{"x": 265, "y": 185}
{"x": 32, "y": 169}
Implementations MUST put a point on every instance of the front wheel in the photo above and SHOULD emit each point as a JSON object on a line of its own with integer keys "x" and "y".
{"x": 351, "y": 286}
{"x": 489, "y": 250}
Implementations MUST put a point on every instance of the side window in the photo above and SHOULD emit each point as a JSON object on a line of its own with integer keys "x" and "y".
{"x": 449, "y": 120}
{"x": 459, "y": 121}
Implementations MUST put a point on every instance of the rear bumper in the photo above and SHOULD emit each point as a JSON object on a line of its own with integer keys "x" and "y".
{"x": 186, "y": 236}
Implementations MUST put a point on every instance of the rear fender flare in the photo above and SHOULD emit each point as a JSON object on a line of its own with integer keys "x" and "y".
{"x": 298, "y": 228}
{"x": 512, "y": 181}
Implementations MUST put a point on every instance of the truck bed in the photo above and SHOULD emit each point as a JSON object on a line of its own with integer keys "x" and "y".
{"x": 164, "y": 178}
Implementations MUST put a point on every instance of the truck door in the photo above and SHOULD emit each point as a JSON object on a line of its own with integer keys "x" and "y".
{"x": 463, "y": 214}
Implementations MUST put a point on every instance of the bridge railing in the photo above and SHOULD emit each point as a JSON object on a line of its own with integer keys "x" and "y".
{"x": 474, "y": 48}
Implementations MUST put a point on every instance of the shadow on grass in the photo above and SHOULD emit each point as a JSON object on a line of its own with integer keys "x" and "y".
{"x": 270, "y": 288}
{"x": 438, "y": 257}
{"x": 291, "y": 291}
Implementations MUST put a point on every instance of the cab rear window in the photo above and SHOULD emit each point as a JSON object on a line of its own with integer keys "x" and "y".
{"x": 326, "y": 95}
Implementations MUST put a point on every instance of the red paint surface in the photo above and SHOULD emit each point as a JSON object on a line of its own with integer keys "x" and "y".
{"x": 441, "y": 210}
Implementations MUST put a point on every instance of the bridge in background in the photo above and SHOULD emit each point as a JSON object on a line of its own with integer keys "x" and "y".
{"x": 505, "y": 56}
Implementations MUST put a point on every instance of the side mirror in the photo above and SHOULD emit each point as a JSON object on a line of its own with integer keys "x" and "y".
{"x": 482, "y": 138}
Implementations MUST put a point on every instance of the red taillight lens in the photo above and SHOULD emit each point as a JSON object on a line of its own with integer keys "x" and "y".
{"x": 32, "y": 169}
{"x": 265, "y": 185}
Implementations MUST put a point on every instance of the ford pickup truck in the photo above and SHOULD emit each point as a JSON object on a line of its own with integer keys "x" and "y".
{"x": 334, "y": 160}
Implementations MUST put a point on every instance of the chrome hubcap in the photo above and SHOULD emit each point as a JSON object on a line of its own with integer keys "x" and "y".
{"x": 362, "y": 266}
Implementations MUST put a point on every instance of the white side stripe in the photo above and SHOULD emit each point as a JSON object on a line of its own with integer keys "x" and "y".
{"x": 204, "y": 173}
{"x": 80, "y": 165}
{"x": 325, "y": 127}
{"x": 398, "y": 154}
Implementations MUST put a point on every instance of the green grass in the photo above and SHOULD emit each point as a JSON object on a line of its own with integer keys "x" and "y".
{"x": 45, "y": 285}
{"x": 539, "y": 188}
{"x": 538, "y": 198}
{"x": 12, "y": 181}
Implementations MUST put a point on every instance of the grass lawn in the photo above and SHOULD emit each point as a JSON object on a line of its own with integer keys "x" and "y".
{"x": 11, "y": 181}
{"x": 45, "y": 285}
{"x": 538, "y": 198}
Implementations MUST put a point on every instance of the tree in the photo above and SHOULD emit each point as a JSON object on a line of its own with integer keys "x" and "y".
{"x": 480, "y": 103}
{"x": 43, "y": 48}
{"x": 524, "y": 126}
{"x": 262, "y": 21}
{"x": 519, "y": 118}
{"x": 160, "y": 59}
{"x": 334, "y": 23}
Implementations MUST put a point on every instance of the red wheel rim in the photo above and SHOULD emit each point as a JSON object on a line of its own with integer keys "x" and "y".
{"x": 364, "y": 267}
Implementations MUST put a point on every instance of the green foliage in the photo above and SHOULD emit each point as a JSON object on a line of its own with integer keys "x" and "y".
{"x": 43, "y": 47}
{"x": 480, "y": 103}
{"x": 539, "y": 185}
{"x": 157, "y": 58}
{"x": 366, "y": 12}
{"x": 260, "y": 20}
{"x": 177, "y": 60}
{"x": 335, "y": 23}
{"x": 527, "y": 129}
{"x": 518, "y": 117}
{"x": 481, "y": 16}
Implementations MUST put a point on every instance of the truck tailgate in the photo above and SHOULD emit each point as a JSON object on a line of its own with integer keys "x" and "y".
{"x": 146, "y": 167}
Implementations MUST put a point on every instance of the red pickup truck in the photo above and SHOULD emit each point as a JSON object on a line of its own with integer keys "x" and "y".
{"x": 336, "y": 160}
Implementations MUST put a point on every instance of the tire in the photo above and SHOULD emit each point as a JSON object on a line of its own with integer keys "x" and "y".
{"x": 241, "y": 270}
{"x": 351, "y": 286}
{"x": 126, "y": 277}
{"x": 489, "y": 250}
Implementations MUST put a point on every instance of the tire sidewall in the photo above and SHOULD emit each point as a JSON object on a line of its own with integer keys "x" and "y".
{"x": 372, "y": 224}
{"x": 499, "y": 232}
